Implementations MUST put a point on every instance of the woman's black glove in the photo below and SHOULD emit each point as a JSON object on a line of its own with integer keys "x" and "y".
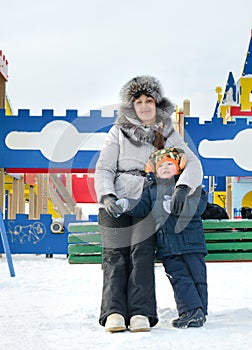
{"x": 178, "y": 199}
{"x": 109, "y": 202}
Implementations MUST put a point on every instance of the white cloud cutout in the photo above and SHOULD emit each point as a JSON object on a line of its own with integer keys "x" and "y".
{"x": 237, "y": 149}
{"x": 58, "y": 141}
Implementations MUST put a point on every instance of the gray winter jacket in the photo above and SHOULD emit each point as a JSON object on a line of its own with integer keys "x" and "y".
{"x": 127, "y": 150}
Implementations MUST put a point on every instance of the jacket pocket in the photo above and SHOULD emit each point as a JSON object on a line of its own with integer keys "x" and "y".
{"x": 194, "y": 237}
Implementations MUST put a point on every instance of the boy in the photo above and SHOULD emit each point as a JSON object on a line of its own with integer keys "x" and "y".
{"x": 180, "y": 238}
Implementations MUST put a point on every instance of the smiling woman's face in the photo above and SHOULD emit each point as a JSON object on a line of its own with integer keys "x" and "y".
{"x": 145, "y": 107}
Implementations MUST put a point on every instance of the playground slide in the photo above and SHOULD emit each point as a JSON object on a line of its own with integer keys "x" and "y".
{"x": 60, "y": 201}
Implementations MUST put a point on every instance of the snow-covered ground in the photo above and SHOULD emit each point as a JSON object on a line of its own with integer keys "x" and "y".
{"x": 51, "y": 305}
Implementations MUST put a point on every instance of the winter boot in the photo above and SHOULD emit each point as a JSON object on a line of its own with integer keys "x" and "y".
{"x": 115, "y": 323}
{"x": 139, "y": 323}
{"x": 191, "y": 318}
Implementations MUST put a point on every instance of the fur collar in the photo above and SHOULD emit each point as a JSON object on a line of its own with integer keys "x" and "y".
{"x": 133, "y": 128}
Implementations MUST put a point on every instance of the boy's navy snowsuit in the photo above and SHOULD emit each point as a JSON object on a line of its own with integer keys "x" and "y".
{"x": 180, "y": 242}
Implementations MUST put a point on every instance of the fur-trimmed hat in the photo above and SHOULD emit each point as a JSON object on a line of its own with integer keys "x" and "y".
{"x": 137, "y": 86}
{"x": 148, "y": 86}
{"x": 169, "y": 154}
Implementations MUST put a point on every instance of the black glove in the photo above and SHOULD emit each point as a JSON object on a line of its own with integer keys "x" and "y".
{"x": 109, "y": 202}
{"x": 178, "y": 199}
{"x": 150, "y": 179}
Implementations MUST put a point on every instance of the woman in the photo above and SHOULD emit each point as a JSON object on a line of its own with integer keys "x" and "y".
{"x": 143, "y": 125}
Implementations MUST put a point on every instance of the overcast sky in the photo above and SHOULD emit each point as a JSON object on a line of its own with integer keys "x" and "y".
{"x": 77, "y": 54}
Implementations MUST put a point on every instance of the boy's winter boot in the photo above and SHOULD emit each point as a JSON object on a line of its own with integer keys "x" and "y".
{"x": 139, "y": 323}
{"x": 191, "y": 318}
{"x": 115, "y": 323}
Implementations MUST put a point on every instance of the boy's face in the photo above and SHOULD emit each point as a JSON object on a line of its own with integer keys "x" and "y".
{"x": 166, "y": 170}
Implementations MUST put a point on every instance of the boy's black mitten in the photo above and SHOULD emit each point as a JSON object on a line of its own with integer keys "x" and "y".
{"x": 109, "y": 202}
{"x": 178, "y": 199}
{"x": 150, "y": 179}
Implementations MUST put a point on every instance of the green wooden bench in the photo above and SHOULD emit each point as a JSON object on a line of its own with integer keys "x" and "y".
{"x": 227, "y": 240}
{"x": 84, "y": 243}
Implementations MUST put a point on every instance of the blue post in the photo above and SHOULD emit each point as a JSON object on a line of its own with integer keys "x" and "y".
{"x": 6, "y": 245}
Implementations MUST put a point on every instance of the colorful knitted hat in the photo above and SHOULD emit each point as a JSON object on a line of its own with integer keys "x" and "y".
{"x": 170, "y": 154}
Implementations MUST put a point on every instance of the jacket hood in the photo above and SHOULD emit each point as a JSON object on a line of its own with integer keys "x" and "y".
{"x": 137, "y": 86}
{"x": 149, "y": 86}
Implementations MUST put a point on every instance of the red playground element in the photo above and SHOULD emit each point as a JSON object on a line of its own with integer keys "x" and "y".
{"x": 82, "y": 188}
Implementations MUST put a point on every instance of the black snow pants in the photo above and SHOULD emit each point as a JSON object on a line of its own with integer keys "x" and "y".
{"x": 128, "y": 267}
{"x": 188, "y": 277}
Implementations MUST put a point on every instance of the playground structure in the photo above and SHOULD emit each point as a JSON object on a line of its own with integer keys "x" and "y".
{"x": 233, "y": 108}
{"x": 39, "y": 160}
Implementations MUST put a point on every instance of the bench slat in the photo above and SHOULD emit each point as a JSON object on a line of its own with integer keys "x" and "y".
{"x": 229, "y": 246}
{"x": 84, "y": 259}
{"x": 227, "y": 224}
{"x": 221, "y": 257}
{"x": 234, "y": 235}
{"x": 84, "y": 248}
{"x": 83, "y": 227}
{"x": 84, "y": 237}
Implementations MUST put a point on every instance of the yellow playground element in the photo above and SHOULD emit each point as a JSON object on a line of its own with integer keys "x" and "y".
{"x": 246, "y": 95}
{"x": 247, "y": 200}
{"x": 10, "y": 186}
{"x": 8, "y": 107}
{"x": 219, "y": 197}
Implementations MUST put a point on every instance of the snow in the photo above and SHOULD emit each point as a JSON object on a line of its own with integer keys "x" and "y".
{"x": 51, "y": 304}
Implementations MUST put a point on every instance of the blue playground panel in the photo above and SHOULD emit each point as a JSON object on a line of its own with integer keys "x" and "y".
{"x": 35, "y": 237}
{"x": 34, "y": 159}
{"x": 195, "y": 132}
{"x": 215, "y": 130}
